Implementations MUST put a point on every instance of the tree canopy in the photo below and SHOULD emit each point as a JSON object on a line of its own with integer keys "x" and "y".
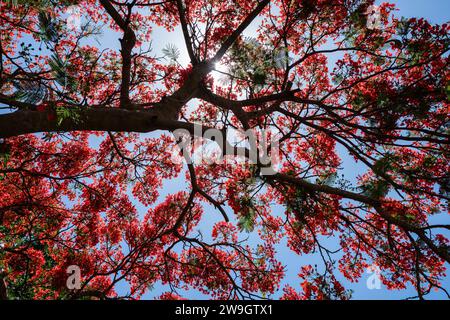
{"x": 87, "y": 140}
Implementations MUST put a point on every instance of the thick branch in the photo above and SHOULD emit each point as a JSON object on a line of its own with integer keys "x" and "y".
{"x": 89, "y": 119}
{"x": 237, "y": 32}
{"x": 377, "y": 204}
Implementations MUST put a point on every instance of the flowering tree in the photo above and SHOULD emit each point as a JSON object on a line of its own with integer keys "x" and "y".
{"x": 75, "y": 161}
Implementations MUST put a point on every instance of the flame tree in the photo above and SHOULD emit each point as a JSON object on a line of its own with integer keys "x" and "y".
{"x": 76, "y": 162}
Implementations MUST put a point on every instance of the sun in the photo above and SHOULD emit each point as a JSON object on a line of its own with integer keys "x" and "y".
{"x": 220, "y": 72}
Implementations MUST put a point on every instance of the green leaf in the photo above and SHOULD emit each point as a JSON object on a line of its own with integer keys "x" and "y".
{"x": 259, "y": 77}
{"x": 29, "y": 91}
{"x": 14, "y": 3}
{"x": 254, "y": 61}
{"x": 63, "y": 113}
{"x": 379, "y": 61}
{"x": 376, "y": 189}
{"x": 4, "y": 157}
{"x": 382, "y": 165}
{"x": 62, "y": 77}
{"x": 171, "y": 51}
{"x": 246, "y": 222}
{"x": 48, "y": 27}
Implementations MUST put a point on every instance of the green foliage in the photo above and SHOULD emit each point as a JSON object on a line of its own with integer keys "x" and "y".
{"x": 385, "y": 164}
{"x": 415, "y": 51}
{"x": 171, "y": 51}
{"x": 14, "y": 3}
{"x": 259, "y": 76}
{"x": 357, "y": 24}
{"x": 63, "y": 113}
{"x": 379, "y": 61}
{"x": 48, "y": 27}
{"x": 251, "y": 60}
{"x": 447, "y": 91}
{"x": 359, "y": 17}
{"x": 403, "y": 27}
{"x": 32, "y": 91}
{"x": 359, "y": 100}
{"x": 62, "y": 77}
{"x": 338, "y": 78}
{"x": 193, "y": 265}
{"x": 379, "y": 188}
{"x": 17, "y": 288}
{"x": 300, "y": 205}
{"x": 246, "y": 222}
{"x": 415, "y": 101}
{"x": 26, "y": 51}
{"x": 4, "y": 157}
